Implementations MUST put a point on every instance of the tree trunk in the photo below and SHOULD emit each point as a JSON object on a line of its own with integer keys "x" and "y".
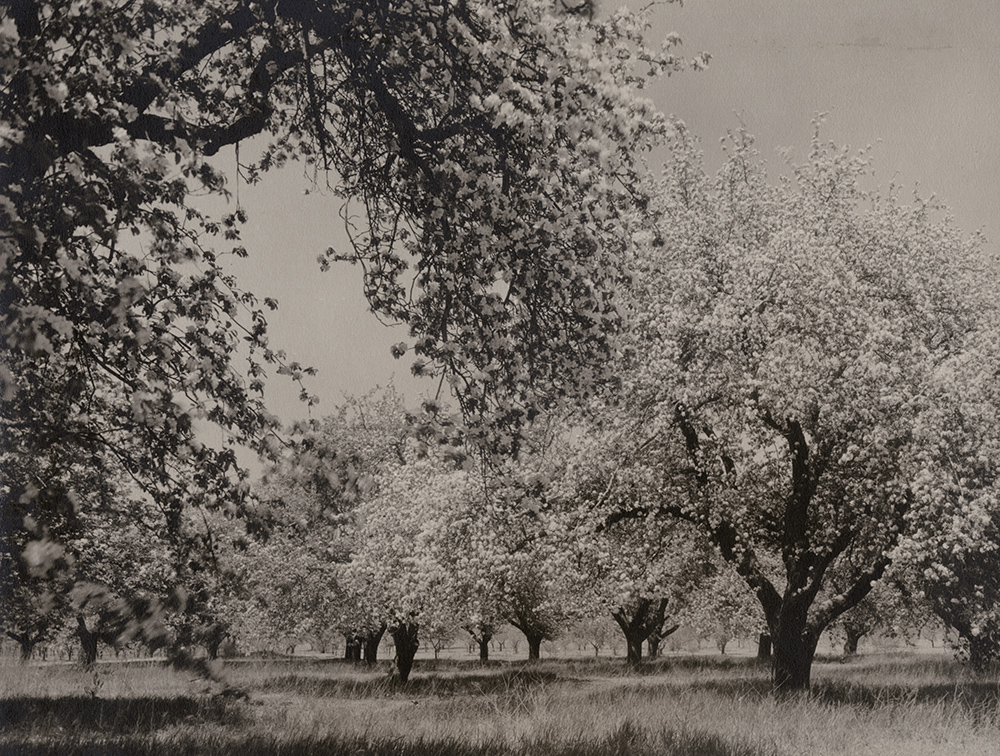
{"x": 481, "y": 635}
{"x": 534, "y": 646}
{"x": 638, "y": 627}
{"x": 26, "y": 641}
{"x": 214, "y": 638}
{"x": 633, "y": 653}
{"x": 764, "y": 646}
{"x": 653, "y": 646}
{"x": 794, "y": 649}
{"x": 982, "y": 652}
{"x": 88, "y": 642}
{"x": 371, "y": 644}
{"x": 352, "y": 647}
{"x": 404, "y": 635}
{"x": 851, "y": 641}
{"x": 657, "y": 637}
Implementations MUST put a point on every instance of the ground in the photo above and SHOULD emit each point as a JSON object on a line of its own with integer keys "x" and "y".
{"x": 880, "y": 703}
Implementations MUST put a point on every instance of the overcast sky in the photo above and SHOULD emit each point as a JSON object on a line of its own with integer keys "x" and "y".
{"x": 918, "y": 79}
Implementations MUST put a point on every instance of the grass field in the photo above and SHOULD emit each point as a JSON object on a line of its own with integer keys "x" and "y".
{"x": 884, "y": 704}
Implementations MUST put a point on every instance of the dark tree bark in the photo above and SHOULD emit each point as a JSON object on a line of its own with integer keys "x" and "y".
{"x": 851, "y": 638}
{"x": 764, "y": 646}
{"x": 352, "y": 647}
{"x": 534, "y": 646}
{"x": 27, "y": 641}
{"x": 88, "y": 642}
{"x": 657, "y": 637}
{"x": 482, "y": 635}
{"x": 372, "y": 640}
{"x": 213, "y": 639}
{"x": 794, "y": 648}
{"x": 534, "y": 632}
{"x": 27, "y": 645}
{"x": 404, "y": 635}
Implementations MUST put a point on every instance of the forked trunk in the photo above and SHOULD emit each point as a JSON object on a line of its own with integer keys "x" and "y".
{"x": 404, "y": 635}
{"x": 27, "y": 641}
{"x": 639, "y": 622}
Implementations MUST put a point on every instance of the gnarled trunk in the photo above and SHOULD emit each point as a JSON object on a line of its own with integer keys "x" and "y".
{"x": 646, "y": 620}
{"x": 794, "y": 643}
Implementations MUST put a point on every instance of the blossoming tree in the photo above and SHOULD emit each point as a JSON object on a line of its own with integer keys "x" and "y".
{"x": 792, "y": 377}
{"x": 488, "y": 148}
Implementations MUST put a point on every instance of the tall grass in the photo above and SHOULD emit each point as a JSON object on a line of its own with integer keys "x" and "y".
{"x": 883, "y": 705}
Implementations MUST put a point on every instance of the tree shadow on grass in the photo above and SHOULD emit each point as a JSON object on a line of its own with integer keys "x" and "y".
{"x": 978, "y": 698}
{"x": 627, "y": 739}
{"x": 419, "y": 686}
{"x": 111, "y": 715}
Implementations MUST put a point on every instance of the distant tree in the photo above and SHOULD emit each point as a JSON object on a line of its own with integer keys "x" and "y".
{"x": 307, "y": 505}
{"x": 93, "y": 556}
{"x": 642, "y": 574}
{"x": 723, "y": 608}
{"x": 395, "y": 572}
{"x": 595, "y": 633}
{"x": 892, "y": 609}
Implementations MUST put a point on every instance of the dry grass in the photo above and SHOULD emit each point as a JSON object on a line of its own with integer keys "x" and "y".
{"x": 881, "y": 705}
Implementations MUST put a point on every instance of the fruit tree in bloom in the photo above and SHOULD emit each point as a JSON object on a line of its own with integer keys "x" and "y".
{"x": 490, "y": 149}
{"x": 800, "y": 379}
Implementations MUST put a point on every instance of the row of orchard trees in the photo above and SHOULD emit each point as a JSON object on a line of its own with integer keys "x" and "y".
{"x": 807, "y": 391}
{"x": 806, "y": 368}
{"x": 483, "y": 153}
{"x": 377, "y": 529}
{"x": 806, "y": 399}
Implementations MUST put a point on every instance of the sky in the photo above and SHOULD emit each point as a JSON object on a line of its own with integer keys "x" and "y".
{"x": 919, "y": 80}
